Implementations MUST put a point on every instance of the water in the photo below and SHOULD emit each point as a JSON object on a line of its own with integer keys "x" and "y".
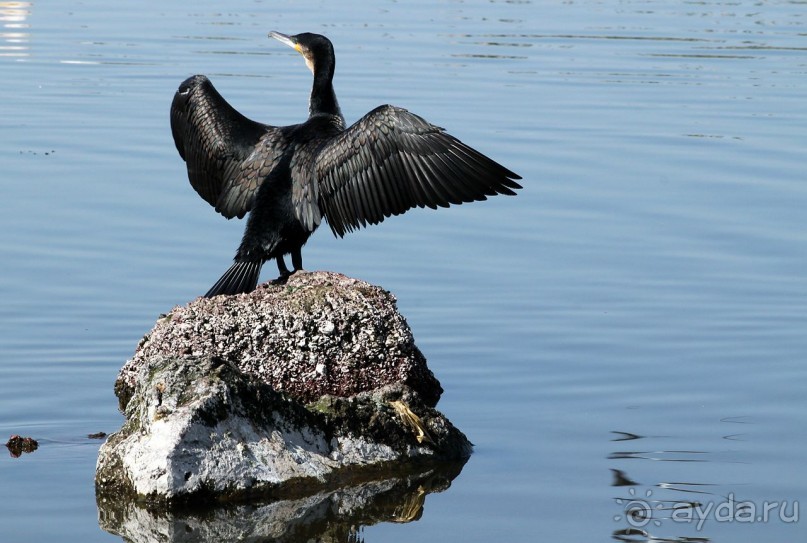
{"x": 628, "y": 331}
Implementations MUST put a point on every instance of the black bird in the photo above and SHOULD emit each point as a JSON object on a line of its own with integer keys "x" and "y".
{"x": 290, "y": 177}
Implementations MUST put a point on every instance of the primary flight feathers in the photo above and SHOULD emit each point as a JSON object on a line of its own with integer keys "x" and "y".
{"x": 290, "y": 177}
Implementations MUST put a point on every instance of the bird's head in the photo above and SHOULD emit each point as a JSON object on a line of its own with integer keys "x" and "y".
{"x": 315, "y": 48}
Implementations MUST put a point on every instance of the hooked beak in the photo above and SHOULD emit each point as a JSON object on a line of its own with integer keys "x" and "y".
{"x": 286, "y": 40}
{"x": 292, "y": 42}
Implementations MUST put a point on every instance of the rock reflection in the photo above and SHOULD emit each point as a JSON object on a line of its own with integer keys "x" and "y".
{"x": 332, "y": 516}
{"x": 14, "y": 33}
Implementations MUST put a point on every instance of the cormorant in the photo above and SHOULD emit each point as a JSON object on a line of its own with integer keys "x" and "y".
{"x": 290, "y": 177}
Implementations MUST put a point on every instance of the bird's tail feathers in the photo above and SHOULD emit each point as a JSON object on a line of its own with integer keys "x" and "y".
{"x": 242, "y": 276}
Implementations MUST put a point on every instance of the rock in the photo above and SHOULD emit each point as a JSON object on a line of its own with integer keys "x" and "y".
{"x": 17, "y": 445}
{"x": 320, "y": 333}
{"x": 200, "y": 430}
{"x": 284, "y": 392}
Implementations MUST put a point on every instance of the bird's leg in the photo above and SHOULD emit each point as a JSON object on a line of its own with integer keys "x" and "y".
{"x": 296, "y": 261}
{"x": 297, "y": 258}
{"x": 284, "y": 271}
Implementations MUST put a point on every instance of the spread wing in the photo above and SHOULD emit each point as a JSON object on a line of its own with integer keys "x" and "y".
{"x": 304, "y": 188}
{"x": 392, "y": 160}
{"x": 228, "y": 155}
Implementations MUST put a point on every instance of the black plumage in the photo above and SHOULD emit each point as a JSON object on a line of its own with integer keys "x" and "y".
{"x": 288, "y": 178}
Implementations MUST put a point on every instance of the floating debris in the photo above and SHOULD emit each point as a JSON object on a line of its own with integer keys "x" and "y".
{"x": 411, "y": 420}
{"x": 17, "y": 445}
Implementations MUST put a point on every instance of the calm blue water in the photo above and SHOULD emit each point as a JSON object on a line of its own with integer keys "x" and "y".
{"x": 631, "y": 327}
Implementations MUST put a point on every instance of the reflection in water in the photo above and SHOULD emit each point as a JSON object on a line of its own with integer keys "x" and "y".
{"x": 622, "y": 479}
{"x": 656, "y": 507}
{"x": 14, "y": 35}
{"x": 625, "y": 436}
{"x": 636, "y": 535}
{"x": 333, "y": 516}
{"x": 661, "y": 456}
{"x": 648, "y": 511}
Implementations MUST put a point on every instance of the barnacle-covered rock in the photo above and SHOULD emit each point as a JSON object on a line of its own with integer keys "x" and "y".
{"x": 319, "y": 333}
{"x": 286, "y": 391}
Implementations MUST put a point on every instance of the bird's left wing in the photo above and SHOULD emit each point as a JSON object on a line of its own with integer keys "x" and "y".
{"x": 392, "y": 160}
{"x": 228, "y": 155}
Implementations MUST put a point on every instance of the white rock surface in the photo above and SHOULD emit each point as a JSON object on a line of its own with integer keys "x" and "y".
{"x": 199, "y": 430}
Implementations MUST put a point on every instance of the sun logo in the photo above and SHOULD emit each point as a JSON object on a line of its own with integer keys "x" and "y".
{"x": 638, "y": 511}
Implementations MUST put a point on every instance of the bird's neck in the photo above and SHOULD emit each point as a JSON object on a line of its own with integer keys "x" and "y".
{"x": 323, "y": 98}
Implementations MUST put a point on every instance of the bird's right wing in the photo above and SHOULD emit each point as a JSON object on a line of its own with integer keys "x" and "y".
{"x": 392, "y": 160}
{"x": 228, "y": 155}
